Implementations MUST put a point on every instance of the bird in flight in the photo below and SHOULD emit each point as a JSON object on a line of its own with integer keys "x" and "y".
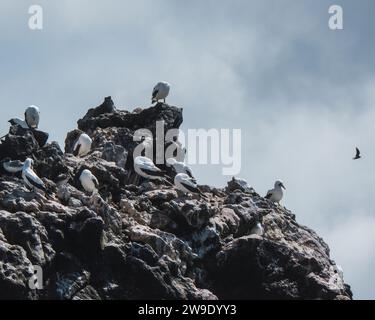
{"x": 357, "y": 155}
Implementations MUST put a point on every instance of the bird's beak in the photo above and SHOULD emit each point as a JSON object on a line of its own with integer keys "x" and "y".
{"x": 282, "y": 186}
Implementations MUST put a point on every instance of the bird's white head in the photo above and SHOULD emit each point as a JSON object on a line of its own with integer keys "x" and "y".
{"x": 181, "y": 177}
{"x": 86, "y": 172}
{"x": 32, "y": 116}
{"x": 33, "y": 109}
{"x": 279, "y": 184}
{"x": 139, "y": 160}
{"x": 170, "y": 162}
{"x": 165, "y": 84}
{"x": 28, "y": 163}
{"x": 85, "y": 137}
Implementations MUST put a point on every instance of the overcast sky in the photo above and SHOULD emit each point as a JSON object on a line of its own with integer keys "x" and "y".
{"x": 302, "y": 94}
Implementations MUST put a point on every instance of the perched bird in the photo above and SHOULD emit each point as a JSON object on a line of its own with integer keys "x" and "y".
{"x": 147, "y": 169}
{"x": 186, "y": 184}
{"x": 276, "y": 194}
{"x": 89, "y": 182}
{"x": 30, "y": 178}
{"x": 180, "y": 167}
{"x": 32, "y": 117}
{"x": 62, "y": 179}
{"x": 19, "y": 122}
{"x": 161, "y": 91}
{"x": 12, "y": 166}
{"x": 357, "y": 154}
{"x": 257, "y": 229}
{"x": 82, "y": 146}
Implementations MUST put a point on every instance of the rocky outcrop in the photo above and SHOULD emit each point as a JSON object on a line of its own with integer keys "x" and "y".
{"x": 146, "y": 240}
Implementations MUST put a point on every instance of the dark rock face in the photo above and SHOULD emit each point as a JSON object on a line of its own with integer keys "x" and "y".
{"x": 113, "y": 130}
{"x": 145, "y": 241}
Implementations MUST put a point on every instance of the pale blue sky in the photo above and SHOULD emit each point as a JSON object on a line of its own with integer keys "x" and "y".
{"x": 302, "y": 94}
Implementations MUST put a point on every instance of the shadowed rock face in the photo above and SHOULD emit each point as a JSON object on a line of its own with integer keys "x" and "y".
{"x": 147, "y": 241}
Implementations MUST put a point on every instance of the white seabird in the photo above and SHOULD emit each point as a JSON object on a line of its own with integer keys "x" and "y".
{"x": 20, "y": 122}
{"x": 186, "y": 184}
{"x": 32, "y": 117}
{"x": 160, "y": 91}
{"x": 147, "y": 169}
{"x": 30, "y": 178}
{"x": 180, "y": 167}
{"x": 276, "y": 194}
{"x": 13, "y": 166}
{"x": 89, "y": 182}
{"x": 257, "y": 229}
{"x": 82, "y": 146}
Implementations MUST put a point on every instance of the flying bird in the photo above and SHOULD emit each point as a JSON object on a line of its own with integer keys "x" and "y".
{"x": 88, "y": 181}
{"x": 147, "y": 169}
{"x": 160, "y": 91}
{"x": 357, "y": 154}
{"x": 186, "y": 184}
{"x": 32, "y": 115}
{"x": 180, "y": 167}
{"x": 30, "y": 178}
{"x": 276, "y": 194}
{"x": 12, "y": 166}
{"x": 82, "y": 146}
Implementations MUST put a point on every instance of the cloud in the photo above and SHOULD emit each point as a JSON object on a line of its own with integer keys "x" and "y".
{"x": 351, "y": 242}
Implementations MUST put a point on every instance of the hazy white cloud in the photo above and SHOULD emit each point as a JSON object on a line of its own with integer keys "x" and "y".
{"x": 352, "y": 239}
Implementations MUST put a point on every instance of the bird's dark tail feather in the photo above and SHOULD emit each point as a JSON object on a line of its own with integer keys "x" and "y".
{"x": 159, "y": 174}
